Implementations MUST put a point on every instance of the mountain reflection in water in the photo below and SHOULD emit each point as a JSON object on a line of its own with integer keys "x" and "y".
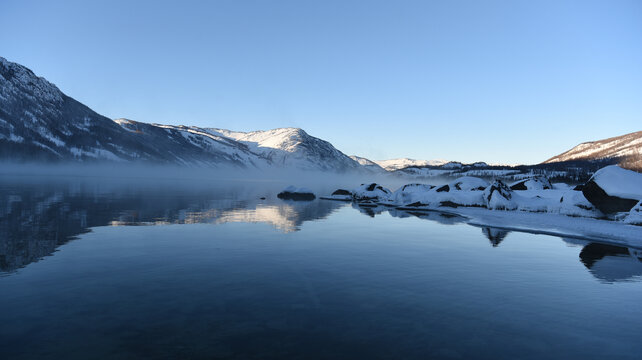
{"x": 36, "y": 219}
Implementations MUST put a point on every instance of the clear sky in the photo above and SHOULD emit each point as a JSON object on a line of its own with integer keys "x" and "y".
{"x": 498, "y": 81}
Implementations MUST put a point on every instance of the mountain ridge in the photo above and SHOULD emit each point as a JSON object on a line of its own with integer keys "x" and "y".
{"x": 38, "y": 122}
{"x": 625, "y": 150}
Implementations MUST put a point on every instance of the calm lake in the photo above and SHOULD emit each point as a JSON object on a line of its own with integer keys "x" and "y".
{"x": 90, "y": 270}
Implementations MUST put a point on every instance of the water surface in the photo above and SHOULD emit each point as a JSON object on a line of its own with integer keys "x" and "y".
{"x": 95, "y": 271}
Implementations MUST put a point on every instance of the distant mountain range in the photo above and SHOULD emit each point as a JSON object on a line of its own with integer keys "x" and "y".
{"x": 40, "y": 123}
{"x": 396, "y": 164}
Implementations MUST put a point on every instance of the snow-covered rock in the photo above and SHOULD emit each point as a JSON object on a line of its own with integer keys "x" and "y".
{"x": 469, "y": 183}
{"x": 613, "y": 189}
{"x": 374, "y": 192}
{"x": 498, "y": 196}
{"x": 635, "y": 215}
{"x": 409, "y": 194}
{"x": 441, "y": 196}
{"x": 295, "y": 193}
{"x": 534, "y": 183}
{"x": 573, "y": 203}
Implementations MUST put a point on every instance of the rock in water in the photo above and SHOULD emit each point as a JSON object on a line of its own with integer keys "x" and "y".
{"x": 293, "y": 193}
{"x": 613, "y": 189}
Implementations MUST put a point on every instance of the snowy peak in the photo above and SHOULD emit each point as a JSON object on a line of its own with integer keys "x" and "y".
{"x": 292, "y": 147}
{"x": 16, "y": 79}
{"x": 627, "y": 149}
{"x": 39, "y": 122}
{"x": 286, "y": 139}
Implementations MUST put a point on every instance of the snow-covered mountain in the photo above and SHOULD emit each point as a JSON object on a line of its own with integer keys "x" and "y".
{"x": 625, "y": 149}
{"x": 396, "y": 164}
{"x": 368, "y": 164}
{"x": 292, "y": 147}
{"x": 40, "y": 123}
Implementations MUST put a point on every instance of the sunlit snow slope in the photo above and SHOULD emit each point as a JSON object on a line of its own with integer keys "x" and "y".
{"x": 627, "y": 149}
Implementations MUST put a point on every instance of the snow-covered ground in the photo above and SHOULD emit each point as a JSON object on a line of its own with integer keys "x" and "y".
{"x": 555, "y": 209}
{"x": 554, "y": 224}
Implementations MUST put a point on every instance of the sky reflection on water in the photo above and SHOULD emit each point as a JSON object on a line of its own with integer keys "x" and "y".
{"x": 228, "y": 274}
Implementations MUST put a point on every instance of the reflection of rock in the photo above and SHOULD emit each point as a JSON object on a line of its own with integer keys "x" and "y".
{"x": 340, "y": 195}
{"x": 612, "y": 263}
{"x": 38, "y": 219}
{"x": 436, "y": 216}
{"x": 574, "y": 242}
{"x": 495, "y": 235}
{"x": 369, "y": 209}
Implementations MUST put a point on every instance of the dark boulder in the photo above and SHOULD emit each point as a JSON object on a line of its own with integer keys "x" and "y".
{"x": 614, "y": 189}
{"x": 342, "y": 192}
{"x": 604, "y": 202}
{"x": 449, "y": 203}
{"x": 297, "y": 194}
{"x": 445, "y": 188}
{"x": 416, "y": 204}
{"x": 422, "y": 186}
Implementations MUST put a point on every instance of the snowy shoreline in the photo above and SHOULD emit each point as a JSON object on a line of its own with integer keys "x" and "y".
{"x": 605, "y": 231}
{"x": 608, "y": 208}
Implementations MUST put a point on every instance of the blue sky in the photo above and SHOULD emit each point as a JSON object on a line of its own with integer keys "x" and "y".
{"x": 498, "y": 81}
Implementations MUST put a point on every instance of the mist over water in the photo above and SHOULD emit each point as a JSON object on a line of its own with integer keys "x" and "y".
{"x": 118, "y": 174}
